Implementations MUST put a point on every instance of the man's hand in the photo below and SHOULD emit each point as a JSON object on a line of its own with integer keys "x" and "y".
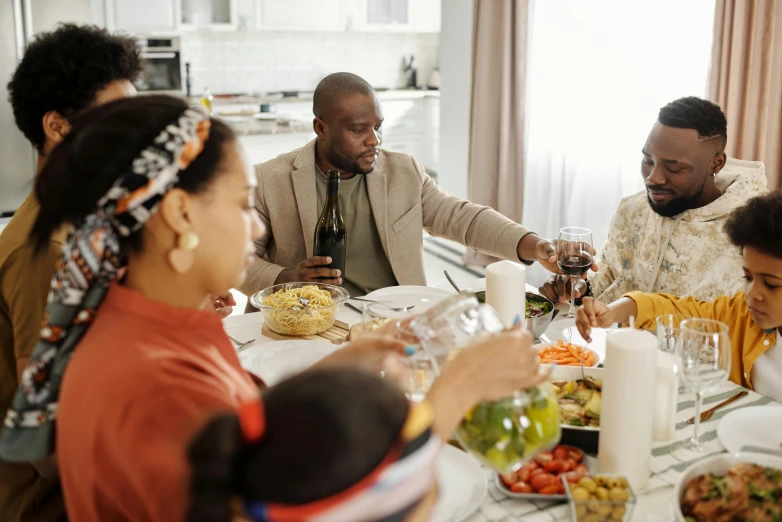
{"x": 312, "y": 270}
{"x": 558, "y": 289}
{"x": 533, "y": 248}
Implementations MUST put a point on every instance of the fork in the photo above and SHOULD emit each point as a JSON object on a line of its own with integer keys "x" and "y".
{"x": 304, "y": 303}
{"x": 383, "y": 303}
{"x": 239, "y": 344}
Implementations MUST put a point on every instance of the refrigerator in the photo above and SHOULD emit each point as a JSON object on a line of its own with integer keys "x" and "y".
{"x": 19, "y": 20}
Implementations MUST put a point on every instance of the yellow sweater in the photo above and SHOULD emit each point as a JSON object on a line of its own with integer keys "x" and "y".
{"x": 747, "y": 339}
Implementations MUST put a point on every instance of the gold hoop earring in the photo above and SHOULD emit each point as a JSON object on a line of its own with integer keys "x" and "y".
{"x": 182, "y": 257}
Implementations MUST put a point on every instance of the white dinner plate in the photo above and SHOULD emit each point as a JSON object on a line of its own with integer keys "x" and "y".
{"x": 422, "y": 297}
{"x": 598, "y": 344}
{"x": 462, "y": 486}
{"x": 756, "y": 426}
{"x": 275, "y": 361}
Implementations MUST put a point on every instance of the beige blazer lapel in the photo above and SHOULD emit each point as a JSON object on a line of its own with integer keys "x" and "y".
{"x": 377, "y": 188}
{"x": 306, "y": 193}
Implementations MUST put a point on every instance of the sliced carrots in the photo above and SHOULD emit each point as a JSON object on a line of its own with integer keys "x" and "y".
{"x": 567, "y": 354}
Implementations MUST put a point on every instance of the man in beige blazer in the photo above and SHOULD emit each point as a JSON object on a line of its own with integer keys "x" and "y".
{"x": 386, "y": 198}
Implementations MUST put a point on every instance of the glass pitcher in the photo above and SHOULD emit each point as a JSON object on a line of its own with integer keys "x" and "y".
{"x": 503, "y": 434}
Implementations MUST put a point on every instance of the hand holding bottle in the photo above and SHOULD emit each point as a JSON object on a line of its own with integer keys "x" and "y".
{"x": 314, "y": 270}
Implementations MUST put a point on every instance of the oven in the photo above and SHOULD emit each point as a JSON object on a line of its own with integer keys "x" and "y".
{"x": 162, "y": 65}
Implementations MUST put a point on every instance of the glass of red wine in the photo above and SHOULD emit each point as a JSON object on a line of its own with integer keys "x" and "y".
{"x": 574, "y": 257}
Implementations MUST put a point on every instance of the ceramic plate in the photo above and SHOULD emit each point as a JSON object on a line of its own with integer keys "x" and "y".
{"x": 757, "y": 426}
{"x": 275, "y": 361}
{"x": 541, "y": 346}
{"x": 462, "y": 486}
{"x": 598, "y": 344}
{"x": 589, "y": 462}
{"x": 422, "y": 297}
{"x": 719, "y": 465}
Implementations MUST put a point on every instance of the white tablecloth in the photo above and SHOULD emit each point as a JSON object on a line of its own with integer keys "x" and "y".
{"x": 654, "y": 505}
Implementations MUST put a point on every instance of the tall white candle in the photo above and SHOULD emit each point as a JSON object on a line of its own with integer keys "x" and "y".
{"x": 506, "y": 290}
{"x": 627, "y": 411}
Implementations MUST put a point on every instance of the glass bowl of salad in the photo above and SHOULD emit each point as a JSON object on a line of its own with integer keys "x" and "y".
{"x": 503, "y": 434}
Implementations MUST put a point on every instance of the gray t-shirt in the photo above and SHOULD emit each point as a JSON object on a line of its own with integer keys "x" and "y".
{"x": 366, "y": 267}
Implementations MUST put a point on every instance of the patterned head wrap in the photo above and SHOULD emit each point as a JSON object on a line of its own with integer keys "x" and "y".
{"x": 90, "y": 261}
{"x": 388, "y": 493}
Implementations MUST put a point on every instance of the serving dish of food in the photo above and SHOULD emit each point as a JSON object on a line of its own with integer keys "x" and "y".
{"x": 602, "y": 497}
{"x": 738, "y": 487}
{"x": 539, "y": 312}
{"x": 579, "y": 405}
{"x": 541, "y": 477}
{"x": 564, "y": 353}
{"x": 300, "y": 309}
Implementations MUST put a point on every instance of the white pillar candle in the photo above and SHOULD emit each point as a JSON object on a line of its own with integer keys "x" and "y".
{"x": 506, "y": 290}
{"x": 665, "y": 397}
{"x": 627, "y": 411}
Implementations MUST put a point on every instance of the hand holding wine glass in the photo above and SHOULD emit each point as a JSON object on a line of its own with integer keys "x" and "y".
{"x": 574, "y": 256}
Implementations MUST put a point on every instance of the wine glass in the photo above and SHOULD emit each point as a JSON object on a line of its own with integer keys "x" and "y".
{"x": 574, "y": 257}
{"x": 703, "y": 353}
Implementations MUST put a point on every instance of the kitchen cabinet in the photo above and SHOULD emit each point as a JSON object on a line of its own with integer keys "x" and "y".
{"x": 264, "y": 147}
{"x": 211, "y": 14}
{"x": 418, "y": 16}
{"x": 301, "y": 15}
{"x": 143, "y": 16}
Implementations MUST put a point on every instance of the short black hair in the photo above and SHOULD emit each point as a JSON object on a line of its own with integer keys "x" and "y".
{"x": 758, "y": 224}
{"x": 701, "y": 115}
{"x": 64, "y": 69}
{"x": 333, "y": 88}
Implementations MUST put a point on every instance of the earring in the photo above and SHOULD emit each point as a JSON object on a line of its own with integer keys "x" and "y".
{"x": 182, "y": 258}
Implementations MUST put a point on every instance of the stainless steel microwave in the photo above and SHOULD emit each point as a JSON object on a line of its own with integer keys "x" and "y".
{"x": 162, "y": 65}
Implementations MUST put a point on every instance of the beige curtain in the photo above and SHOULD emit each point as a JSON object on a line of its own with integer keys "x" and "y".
{"x": 496, "y": 175}
{"x": 746, "y": 79}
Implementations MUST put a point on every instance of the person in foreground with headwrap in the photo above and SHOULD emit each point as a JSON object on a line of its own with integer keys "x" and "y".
{"x": 128, "y": 366}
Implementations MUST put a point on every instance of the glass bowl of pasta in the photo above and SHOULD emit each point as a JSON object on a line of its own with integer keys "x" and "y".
{"x": 283, "y": 307}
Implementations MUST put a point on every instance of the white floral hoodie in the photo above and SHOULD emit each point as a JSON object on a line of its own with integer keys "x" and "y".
{"x": 686, "y": 255}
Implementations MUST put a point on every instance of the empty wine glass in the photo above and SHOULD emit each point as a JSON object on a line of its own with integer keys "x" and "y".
{"x": 703, "y": 353}
{"x": 574, "y": 257}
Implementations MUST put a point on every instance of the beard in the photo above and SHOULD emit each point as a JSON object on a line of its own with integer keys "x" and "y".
{"x": 676, "y": 206}
{"x": 349, "y": 164}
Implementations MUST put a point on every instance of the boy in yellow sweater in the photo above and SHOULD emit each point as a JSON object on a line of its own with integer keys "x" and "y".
{"x": 753, "y": 316}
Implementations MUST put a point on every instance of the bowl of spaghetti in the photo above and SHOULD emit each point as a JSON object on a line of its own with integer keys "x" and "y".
{"x": 284, "y": 313}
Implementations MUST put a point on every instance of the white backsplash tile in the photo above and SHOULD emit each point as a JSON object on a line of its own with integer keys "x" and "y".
{"x": 252, "y": 61}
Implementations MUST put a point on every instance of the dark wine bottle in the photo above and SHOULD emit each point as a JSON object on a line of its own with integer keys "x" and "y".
{"x": 331, "y": 238}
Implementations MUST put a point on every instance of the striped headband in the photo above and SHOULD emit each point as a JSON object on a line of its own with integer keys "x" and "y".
{"x": 388, "y": 493}
{"x": 90, "y": 261}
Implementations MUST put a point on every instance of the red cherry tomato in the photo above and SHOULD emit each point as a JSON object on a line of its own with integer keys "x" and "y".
{"x": 575, "y": 454}
{"x": 536, "y": 471}
{"x": 523, "y": 474}
{"x": 554, "y": 466}
{"x": 521, "y": 487}
{"x": 581, "y": 469}
{"x": 573, "y": 478}
{"x": 542, "y": 480}
{"x": 508, "y": 479}
{"x": 549, "y": 490}
{"x": 560, "y": 488}
{"x": 560, "y": 453}
{"x": 546, "y": 456}
{"x": 531, "y": 465}
{"x": 570, "y": 465}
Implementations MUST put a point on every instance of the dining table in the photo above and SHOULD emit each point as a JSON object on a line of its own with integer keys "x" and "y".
{"x": 655, "y": 503}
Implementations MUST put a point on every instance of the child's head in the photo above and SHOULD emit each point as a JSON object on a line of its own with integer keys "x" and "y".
{"x": 328, "y": 436}
{"x": 756, "y": 228}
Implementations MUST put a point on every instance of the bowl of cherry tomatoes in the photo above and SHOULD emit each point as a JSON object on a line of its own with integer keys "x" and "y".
{"x": 541, "y": 477}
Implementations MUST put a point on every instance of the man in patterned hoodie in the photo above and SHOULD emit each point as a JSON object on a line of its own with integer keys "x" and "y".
{"x": 669, "y": 238}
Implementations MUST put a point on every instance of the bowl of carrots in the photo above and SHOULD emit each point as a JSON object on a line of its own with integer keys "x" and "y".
{"x": 564, "y": 353}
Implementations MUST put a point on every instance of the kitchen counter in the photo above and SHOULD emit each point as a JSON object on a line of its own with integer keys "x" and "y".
{"x": 390, "y": 94}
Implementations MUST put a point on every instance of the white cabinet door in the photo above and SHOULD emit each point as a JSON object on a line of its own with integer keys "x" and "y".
{"x": 264, "y": 147}
{"x": 410, "y": 145}
{"x": 212, "y": 14}
{"x": 425, "y": 16}
{"x": 142, "y": 16}
{"x": 301, "y": 15}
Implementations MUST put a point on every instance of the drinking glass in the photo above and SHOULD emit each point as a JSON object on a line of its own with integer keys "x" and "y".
{"x": 703, "y": 354}
{"x": 574, "y": 257}
{"x": 668, "y": 328}
{"x": 418, "y": 368}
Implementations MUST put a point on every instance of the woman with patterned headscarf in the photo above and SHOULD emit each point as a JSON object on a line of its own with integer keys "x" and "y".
{"x": 161, "y": 202}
